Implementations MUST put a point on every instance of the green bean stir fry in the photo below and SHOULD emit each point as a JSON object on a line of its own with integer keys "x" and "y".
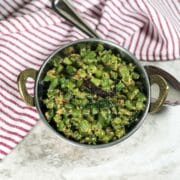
{"x": 93, "y": 95}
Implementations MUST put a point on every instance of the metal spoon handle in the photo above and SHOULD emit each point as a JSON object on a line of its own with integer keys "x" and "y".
{"x": 65, "y": 9}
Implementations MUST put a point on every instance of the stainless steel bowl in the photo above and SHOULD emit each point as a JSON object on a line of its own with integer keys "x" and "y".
{"x": 40, "y": 89}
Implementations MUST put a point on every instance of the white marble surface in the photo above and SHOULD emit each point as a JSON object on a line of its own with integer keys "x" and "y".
{"x": 153, "y": 152}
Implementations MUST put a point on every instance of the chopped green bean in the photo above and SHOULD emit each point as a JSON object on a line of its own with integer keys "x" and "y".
{"x": 93, "y": 95}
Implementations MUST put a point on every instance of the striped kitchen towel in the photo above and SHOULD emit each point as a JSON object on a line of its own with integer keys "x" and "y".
{"x": 30, "y": 31}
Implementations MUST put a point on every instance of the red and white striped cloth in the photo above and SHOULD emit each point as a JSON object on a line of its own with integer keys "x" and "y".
{"x": 30, "y": 31}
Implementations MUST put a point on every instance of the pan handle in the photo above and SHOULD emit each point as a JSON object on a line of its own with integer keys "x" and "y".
{"x": 22, "y": 78}
{"x": 65, "y": 9}
{"x": 163, "y": 92}
{"x": 166, "y": 75}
